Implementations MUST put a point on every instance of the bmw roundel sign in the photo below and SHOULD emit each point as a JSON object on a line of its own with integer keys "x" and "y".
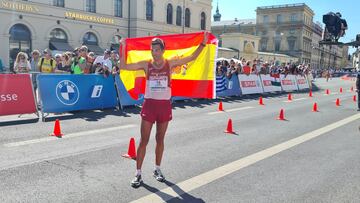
{"x": 67, "y": 92}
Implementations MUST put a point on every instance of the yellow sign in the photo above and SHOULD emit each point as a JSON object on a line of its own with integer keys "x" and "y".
{"x": 91, "y": 18}
{"x": 19, "y": 6}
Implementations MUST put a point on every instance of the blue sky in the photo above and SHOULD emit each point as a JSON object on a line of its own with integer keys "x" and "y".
{"x": 245, "y": 9}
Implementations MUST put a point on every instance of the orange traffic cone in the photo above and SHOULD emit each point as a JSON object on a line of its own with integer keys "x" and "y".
{"x": 220, "y": 106}
{"x": 229, "y": 128}
{"x": 132, "y": 150}
{"x": 261, "y": 101}
{"x": 57, "y": 129}
{"x": 327, "y": 91}
{"x": 341, "y": 90}
{"x": 337, "y": 102}
{"x": 315, "y": 109}
{"x": 354, "y": 98}
{"x": 281, "y": 115}
{"x": 289, "y": 97}
{"x": 310, "y": 93}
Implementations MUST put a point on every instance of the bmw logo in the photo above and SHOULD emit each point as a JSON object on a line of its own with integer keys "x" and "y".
{"x": 67, "y": 92}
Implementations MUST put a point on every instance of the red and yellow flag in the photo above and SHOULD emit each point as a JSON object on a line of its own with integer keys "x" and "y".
{"x": 195, "y": 79}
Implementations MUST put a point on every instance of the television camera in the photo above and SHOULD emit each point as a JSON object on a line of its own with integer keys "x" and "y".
{"x": 335, "y": 27}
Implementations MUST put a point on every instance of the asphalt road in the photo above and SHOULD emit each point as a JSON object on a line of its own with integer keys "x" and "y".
{"x": 309, "y": 157}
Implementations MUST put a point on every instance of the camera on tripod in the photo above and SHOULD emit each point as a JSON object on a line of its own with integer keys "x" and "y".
{"x": 335, "y": 27}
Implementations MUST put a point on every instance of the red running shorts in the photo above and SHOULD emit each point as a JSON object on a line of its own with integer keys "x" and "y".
{"x": 156, "y": 110}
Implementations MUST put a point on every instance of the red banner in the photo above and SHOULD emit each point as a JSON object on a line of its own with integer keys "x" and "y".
{"x": 16, "y": 94}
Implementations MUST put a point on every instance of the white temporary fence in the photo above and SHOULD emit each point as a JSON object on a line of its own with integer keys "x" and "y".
{"x": 270, "y": 84}
{"x": 250, "y": 84}
{"x": 288, "y": 83}
{"x": 302, "y": 82}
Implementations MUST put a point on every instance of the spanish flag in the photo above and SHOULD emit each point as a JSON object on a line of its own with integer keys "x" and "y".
{"x": 195, "y": 79}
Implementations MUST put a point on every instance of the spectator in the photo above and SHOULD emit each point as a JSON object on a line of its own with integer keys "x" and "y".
{"x": 116, "y": 69}
{"x": 105, "y": 69}
{"x": 219, "y": 70}
{"x": 1, "y": 66}
{"x": 34, "y": 61}
{"x": 22, "y": 65}
{"x": 247, "y": 68}
{"x": 80, "y": 66}
{"x": 231, "y": 70}
{"x": 47, "y": 63}
{"x": 74, "y": 59}
{"x": 90, "y": 62}
{"x": 257, "y": 66}
{"x": 113, "y": 58}
{"x": 238, "y": 68}
{"x": 224, "y": 65}
{"x": 101, "y": 59}
{"x": 64, "y": 65}
{"x": 58, "y": 65}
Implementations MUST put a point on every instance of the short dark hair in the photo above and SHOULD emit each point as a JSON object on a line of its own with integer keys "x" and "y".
{"x": 158, "y": 41}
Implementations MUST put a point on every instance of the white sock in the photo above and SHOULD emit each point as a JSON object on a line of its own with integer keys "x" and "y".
{"x": 138, "y": 172}
{"x": 157, "y": 167}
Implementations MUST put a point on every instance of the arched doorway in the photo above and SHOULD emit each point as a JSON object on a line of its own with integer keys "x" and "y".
{"x": 91, "y": 41}
{"x": 20, "y": 40}
{"x": 59, "y": 40}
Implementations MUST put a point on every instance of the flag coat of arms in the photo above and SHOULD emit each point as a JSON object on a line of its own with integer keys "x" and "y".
{"x": 195, "y": 79}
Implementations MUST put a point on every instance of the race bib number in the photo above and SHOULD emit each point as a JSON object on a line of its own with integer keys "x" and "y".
{"x": 158, "y": 83}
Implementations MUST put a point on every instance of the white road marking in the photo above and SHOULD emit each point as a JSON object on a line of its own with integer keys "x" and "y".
{"x": 67, "y": 136}
{"x": 298, "y": 99}
{"x": 231, "y": 110}
{"x": 217, "y": 173}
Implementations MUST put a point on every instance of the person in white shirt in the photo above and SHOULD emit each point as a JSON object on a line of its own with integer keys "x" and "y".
{"x": 22, "y": 65}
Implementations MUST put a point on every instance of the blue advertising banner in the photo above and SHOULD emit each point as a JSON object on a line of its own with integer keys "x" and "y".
{"x": 231, "y": 87}
{"x": 62, "y": 93}
{"x": 125, "y": 99}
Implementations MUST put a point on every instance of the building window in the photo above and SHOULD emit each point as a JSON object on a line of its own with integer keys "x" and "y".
{"x": 91, "y": 6}
{"x": 20, "y": 40}
{"x": 293, "y": 17}
{"x": 118, "y": 8}
{"x": 266, "y": 19}
{"x": 277, "y": 43}
{"x": 278, "y": 19}
{"x": 58, "y": 34}
{"x": 90, "y": 38}
{"x": 203, "y": 21}
{"x": 59, "y": 3}
{"x": 291, "y": 43}
{"x": 149, "y": 10}
{"x": 292, "y": 31}
{"x": 178, "y": 15}
{"x": 187, "y": 17}
{"x": 263, "y": 44}
{"x": 169, "y": 14}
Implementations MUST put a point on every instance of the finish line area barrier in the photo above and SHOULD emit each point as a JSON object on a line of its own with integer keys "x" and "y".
{"x": 61, "y": 93}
